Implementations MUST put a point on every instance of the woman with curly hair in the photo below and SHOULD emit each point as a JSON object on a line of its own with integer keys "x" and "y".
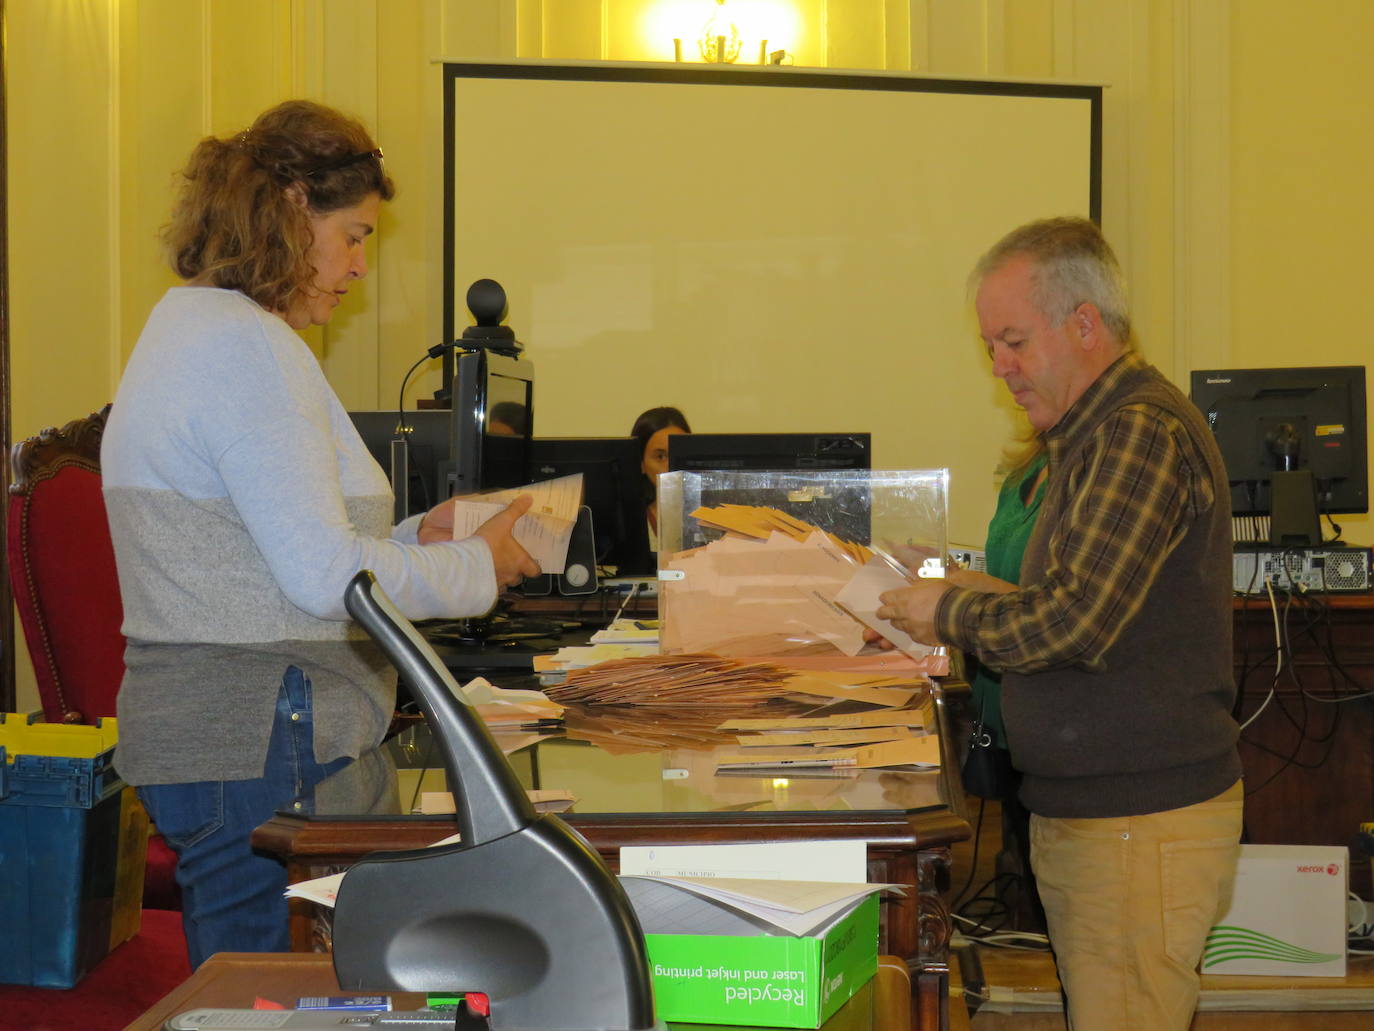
{"x": 241, "y": 502}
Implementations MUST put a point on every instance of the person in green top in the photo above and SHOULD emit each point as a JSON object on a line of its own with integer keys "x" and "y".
{"x": 1018, "y": 504}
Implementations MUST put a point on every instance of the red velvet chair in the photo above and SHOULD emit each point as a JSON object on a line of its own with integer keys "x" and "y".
{"x": 62, "y": 572}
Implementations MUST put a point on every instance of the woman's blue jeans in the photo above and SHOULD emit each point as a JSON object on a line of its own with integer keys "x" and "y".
{"x": 232, "y": 896}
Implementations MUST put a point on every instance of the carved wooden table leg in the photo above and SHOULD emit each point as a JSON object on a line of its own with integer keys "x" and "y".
{"x": 933, "y": 930}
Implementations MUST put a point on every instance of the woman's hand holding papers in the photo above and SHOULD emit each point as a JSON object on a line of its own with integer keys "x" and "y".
{"x": 437, "y": 525}
{"x": 510, "y": 560}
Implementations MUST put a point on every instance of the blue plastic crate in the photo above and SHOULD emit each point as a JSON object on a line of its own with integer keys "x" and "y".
{"x": 51, "y": 780}
{"x": 73, "y": 843}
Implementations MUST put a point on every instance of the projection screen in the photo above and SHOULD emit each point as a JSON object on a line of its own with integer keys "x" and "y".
{"x": 771, "y": 250}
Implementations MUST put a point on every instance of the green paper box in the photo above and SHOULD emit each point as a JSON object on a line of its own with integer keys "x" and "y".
{"x": 765, "y": 980}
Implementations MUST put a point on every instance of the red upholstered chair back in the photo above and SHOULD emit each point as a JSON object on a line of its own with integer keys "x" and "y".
{"x": 62, "y": 570}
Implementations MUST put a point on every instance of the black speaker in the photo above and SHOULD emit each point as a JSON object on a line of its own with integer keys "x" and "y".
{"x": 579, "y": 572}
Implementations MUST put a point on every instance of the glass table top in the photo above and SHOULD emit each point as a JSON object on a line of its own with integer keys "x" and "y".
{"x": 618, "y": 765}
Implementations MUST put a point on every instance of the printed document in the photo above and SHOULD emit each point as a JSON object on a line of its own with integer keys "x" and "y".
{"x": 544, "y": 531}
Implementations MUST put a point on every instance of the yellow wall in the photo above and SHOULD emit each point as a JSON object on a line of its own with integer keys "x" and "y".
{"x": 1235, "y": 161}
{"x": 1301, "y": 190}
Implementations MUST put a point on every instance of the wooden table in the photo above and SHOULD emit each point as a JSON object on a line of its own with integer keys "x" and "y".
{"x": 1309, "y": 765}
{"x": 908, "y": 821}
{"x": 232, "y": 980}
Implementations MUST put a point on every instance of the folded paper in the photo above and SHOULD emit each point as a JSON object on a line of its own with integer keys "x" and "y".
{"x": 545, "y": 531}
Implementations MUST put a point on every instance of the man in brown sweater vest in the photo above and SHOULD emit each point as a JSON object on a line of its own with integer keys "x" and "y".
{"x": 1115, "y": 644}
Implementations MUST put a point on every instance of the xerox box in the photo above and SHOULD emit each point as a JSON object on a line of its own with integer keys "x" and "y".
{"x": 73, "y": 842}
{"x": 1287, "y": 915}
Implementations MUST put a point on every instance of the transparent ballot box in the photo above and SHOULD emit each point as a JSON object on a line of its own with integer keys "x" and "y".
{"x": 790, "y": 563}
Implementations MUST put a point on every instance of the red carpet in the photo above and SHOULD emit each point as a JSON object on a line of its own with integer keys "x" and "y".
{"x": 121, "y": 987}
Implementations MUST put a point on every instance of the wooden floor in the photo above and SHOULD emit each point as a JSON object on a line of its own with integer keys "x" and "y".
{"x": 1020, "y": 991}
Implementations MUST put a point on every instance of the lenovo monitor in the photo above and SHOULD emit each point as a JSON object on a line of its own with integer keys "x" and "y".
{"x": 1294, "y": 443}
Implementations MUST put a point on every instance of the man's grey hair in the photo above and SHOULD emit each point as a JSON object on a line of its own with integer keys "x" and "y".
{"x": 1071, "y": 263}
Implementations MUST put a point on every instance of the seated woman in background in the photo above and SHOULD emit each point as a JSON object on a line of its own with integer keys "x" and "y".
{"x": 652, "y": 429}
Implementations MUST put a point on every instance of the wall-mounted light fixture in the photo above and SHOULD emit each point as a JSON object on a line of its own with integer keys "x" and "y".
{"x": 721, "y": 41}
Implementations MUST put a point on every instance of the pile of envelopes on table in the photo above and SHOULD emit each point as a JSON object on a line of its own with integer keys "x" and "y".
{"x": 776, "y": 586}
{"x": 768, "y": 590}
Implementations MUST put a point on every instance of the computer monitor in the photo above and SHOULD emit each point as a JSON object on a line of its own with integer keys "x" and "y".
{"x": 425, "y": 438}
{"x": 493, "y": 420}
{"x": 1293, "y": 440}
{"x": 613, "y": 488}
{"x": 692, "y": 452}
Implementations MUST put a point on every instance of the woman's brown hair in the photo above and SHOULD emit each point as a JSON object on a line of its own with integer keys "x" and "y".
{"x": 238, "y": 222}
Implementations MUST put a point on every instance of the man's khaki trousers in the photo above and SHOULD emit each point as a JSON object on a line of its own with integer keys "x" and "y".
{"x": 1129, "y": 901}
